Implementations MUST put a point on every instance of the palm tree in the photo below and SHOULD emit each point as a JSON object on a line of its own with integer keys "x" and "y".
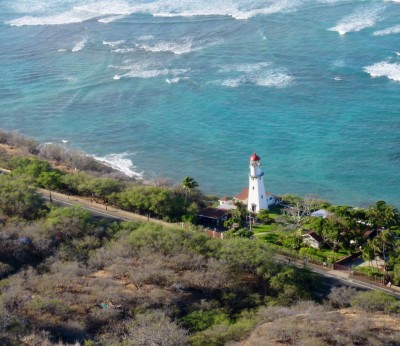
{"x": 188, "y": 183}
{"x": 383, "y": 215}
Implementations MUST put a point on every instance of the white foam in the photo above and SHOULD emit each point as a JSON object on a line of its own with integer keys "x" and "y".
{"x": 121, "y": 163}
{"x": 247, "y": 68}
{"x": 145, "y": 38}
{"x": 111, "y": 19}
{"x": 107, "y": 11}
{"x": 175, "y": 80}
{"x": 363, "y": 17}
{"x": 64, "y": 141}
{"x": 384, "y": 69}
{"x": 389, "y": 31}
{"x": 113, "y": 44}
{"x": 238, "y": 9}
{"x": 79, "y": 46}
{"x": 260, "y": 74}
{"x": 61, "y": 50}
{"x": 77, "y": 14}
{"x": 146, "y": 71}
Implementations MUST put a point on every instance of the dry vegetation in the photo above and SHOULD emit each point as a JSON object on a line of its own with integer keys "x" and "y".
{"x": 316, "y": 325}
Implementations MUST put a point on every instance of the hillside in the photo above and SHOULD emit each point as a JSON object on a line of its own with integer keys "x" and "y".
{"x": 314, "y": 325}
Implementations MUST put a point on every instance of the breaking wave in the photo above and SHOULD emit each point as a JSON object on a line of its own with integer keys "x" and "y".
{"x": 113, "y": 44}
{"x": 121, "y": 163}
{"x": 261, "y": 74}
{"x": 389, "y": 31}
{"x": 384, "y": 69}
{"x": 107, "y": 11}
{"x": 361, "y": 18}
{"x": 144, "y": 71}
{"x": 187, "y": 45}
{"x": 79, "y": 46}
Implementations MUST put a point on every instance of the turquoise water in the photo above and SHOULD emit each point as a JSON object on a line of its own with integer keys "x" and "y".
{"x": 174, "y": 88}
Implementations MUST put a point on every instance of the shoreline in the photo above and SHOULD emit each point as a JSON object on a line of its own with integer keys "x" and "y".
{"x": 120, "y": 171}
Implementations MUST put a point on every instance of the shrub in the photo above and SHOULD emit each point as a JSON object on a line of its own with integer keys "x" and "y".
{"x": 200, "y": 320}
{"x": 341, "y": 297}
{"x": 373, "y": 301}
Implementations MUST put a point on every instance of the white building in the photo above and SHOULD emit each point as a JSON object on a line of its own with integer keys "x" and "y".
{"x": 257, "y": 198}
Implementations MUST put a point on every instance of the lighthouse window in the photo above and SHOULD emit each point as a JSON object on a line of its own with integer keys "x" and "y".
{"x": 253, "y": 187}
{"x": 262, "y": 196}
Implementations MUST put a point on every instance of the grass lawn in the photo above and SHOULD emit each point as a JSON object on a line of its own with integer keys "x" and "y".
{"x": 269, "y": 233}
{"x": 274, "y": 212}
{"x": 330, "y": 253}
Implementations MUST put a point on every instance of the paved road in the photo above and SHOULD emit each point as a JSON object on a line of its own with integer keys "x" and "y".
{"x": 101, "y": 210}
{"x": 331, "y": 278}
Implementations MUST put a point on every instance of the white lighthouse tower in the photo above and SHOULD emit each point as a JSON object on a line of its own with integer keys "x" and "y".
{"x": 257, "y": 199}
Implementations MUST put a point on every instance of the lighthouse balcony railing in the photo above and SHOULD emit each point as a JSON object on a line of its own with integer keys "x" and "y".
{"x": 257, "y": 176}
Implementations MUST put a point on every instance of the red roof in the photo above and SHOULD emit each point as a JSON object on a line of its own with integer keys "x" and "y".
{"x": 315, "y": 236}
{"x": 213, "y": 213}
{"x": 254, "y": 157}
{"x": 243, "y": 195}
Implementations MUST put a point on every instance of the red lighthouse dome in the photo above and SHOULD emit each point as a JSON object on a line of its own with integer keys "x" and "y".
{"x": 254, "y": 157}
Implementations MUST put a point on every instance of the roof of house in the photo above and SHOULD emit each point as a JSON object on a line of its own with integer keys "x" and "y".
{"x": 225, "y": 198}
{"x": 243, "y": 195}
{"x": 321, "y": 213}
{"x": 369, "y": 233}
{"x": 315, "y": 236}
{"x": 212, "y": 213}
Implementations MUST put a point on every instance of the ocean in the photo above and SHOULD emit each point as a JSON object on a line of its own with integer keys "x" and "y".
{"x": 175, "y": 88}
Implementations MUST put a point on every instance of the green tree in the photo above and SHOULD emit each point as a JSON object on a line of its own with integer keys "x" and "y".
{"x": 188, "y": 184}
{"x": 383, "y": 215}
{"x": 18, "y": 198}
{"x": 263, "y": 217}
{"x": 238, "y": 216}
{"x": 104, "y": 187}
{"x": 50, "y": 181}
{"x": 332, "y": 232}
{"x": 31, "y": 167}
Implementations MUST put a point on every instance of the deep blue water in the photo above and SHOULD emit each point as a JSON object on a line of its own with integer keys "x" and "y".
{"x": 183, "y": 88}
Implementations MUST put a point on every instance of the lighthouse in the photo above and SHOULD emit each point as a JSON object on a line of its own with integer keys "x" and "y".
{"x": 257, "y": 200}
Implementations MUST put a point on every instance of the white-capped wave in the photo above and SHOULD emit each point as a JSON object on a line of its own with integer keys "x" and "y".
{"x": 123, "y": 50}
{"x": 111, "y": 19}
{"x": 248, "y": 68}
{"x": 106, "y": 11}
{"x": 384, "y": 69}
{"x": 146, "y": 71}
{"x": 79, "y": 46}
{"x": 76, "y": 14}
{"x": 363, "y": 17}
{"x": 261, "y": 74}
{"x": 120, "y": 162}
{"x": 113, "y": 44}
{"x": 237, "y": 9}
{"x": 175, "y": 80}
{"x": 389, "y": 31}
{"x": 145, "y": 37}
{"x": 183, "y": 47}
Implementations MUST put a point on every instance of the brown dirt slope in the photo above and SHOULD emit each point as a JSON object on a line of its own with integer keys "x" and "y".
{"x": 317, "y": 328}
